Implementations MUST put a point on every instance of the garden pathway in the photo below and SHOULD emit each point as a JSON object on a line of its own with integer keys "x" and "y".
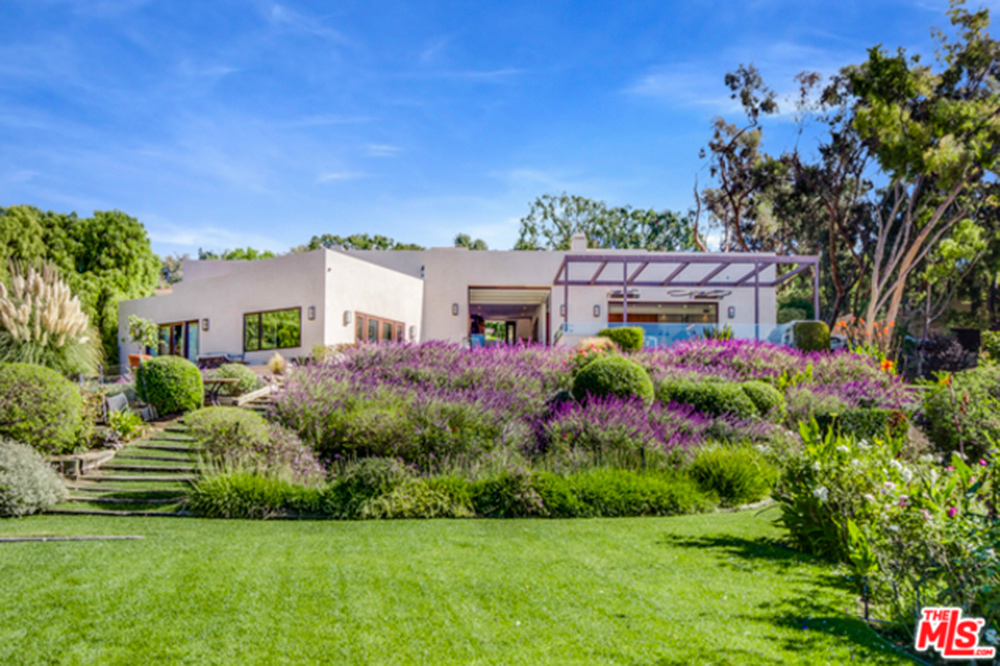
{"x": 148, "y": 477}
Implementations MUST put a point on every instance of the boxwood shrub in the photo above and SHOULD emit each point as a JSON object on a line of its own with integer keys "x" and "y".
{"x": 613, "y": 375}
{"x": 737, "y": 474}
{"x": 811, "y": 335}
{"x": 866, "y": 423}
{"x": 171, "y": 384}
{"x": 628, "y": 338}
{"x": 41, "y": 408}
{"x": 712, "y": 398}
{"x": 767, "y": 399}
{"x": 27, "y": 482}
{"x": 226, "y": 431}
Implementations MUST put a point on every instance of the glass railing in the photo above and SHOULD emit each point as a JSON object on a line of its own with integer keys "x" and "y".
{"x": 658, "y": 335}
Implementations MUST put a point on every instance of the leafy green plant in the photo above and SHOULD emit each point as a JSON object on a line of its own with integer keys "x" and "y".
{"x": 227, "y": 433}
{"x": 248, "y": 379}
{"x": 868, "y": 424}
{"x": 737, "y": 474}
{"x": 509, "y": 494}
{"x": 170, "y": 384}
{"x": 243, "y": 493}
{"x": 962, "y": 409}
{"x": 28, "y": 483}
{"x": 713, "y": 398}
{"x": 361, "y": 482}
{"x": 628, "y": 338}
{"x": 417, "y": 498}
{"x": 811, "y": 335}
{"x": 126, "y": 424}
{"x": 143, "y": 331}
{"x": 610, "y": 492}
{"x": 613, "y": 375}
{"x": 767, "y": 399}
{"x": 42, "y": 322}
{"x": 41, "y": 408}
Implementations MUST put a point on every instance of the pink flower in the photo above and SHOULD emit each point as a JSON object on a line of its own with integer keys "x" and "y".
{"x": 902, "y": 500}
{"x": 952, "y": 511}
{"x": 982, "y": 461}
{"x": 926, "y": 514}
{"x": 889, "y": 485}
{"x": 950, "y": 468}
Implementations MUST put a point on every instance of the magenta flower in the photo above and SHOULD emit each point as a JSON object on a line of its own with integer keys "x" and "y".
{"x": 952, "y": 511}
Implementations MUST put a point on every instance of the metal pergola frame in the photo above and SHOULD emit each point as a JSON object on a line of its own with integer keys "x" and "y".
{"x": 720, "y": 262}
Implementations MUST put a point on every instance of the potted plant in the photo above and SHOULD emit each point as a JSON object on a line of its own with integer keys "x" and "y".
{"x": 145, "y": 332}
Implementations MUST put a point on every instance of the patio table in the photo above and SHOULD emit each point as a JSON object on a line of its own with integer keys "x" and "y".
{"x": 214, "y": 386}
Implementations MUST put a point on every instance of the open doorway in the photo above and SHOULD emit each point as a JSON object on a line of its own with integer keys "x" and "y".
{"x": 508, "y": 315}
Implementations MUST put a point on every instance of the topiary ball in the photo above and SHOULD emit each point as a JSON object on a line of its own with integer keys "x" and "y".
{"x": 812, "y": 335}
{"x": 712, "y": 398}
{"x": 247, "y": 378}
{"x": 171, "y": 384}
{"x": 767, "y": 399}
{"x": 41, "y": 408}
{"x": 613, "y": 375}
{"x": 628, "y": 338}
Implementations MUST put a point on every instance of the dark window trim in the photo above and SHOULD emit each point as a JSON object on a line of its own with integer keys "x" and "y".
{"x": 260, "y": 328}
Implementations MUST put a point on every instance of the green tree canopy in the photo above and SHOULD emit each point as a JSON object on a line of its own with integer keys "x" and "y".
{"x": 552, "y": 221}
{"x": 465, "y": 240}
{"x": 356, "y": 242}
{"x": 237, "y": 254}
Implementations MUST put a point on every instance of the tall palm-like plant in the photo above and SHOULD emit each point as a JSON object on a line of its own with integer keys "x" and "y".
{"x": 42, "y": 322}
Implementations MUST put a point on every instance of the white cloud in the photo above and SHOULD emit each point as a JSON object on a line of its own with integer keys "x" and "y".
{"x": 283, "y": 16}
{"x": 383, "y": 150}
{"x": 207, "y": 237}
{"x": 340, "y": 175}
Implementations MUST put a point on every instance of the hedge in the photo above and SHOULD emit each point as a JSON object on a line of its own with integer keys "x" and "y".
{"x": 41, "y": 408}
{"x": 613, "y": 375}
{"x": 171, "y": 384}
{"x": 812, "y": 335}
{"x": 628, "y": 338}
{"x": 767, "y": 399}
{"x": 866, "y": 423}
{"x": 713, "y": 398}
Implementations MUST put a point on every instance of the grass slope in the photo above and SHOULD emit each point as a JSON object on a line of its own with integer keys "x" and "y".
{"x": 704, "y": 589}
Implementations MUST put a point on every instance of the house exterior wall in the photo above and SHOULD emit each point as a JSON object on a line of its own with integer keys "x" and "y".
{"x": 289, "y": 281}
{"x": 355, "y": 285}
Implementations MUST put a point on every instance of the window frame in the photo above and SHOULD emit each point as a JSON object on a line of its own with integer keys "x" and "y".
{"x": 260, "y": 328}
{"x": 380, "y": 323}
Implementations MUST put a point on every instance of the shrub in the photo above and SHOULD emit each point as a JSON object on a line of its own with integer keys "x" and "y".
{"x": 767, "y": 399}
{"x": 628, "y": 338}
{"x": 812, "y": 335}
{"x": 945, "y": 354}
{"x": 228, "y": 433}
{"x": 713, "y": 398}
{"x": 867, "y": 424}
{"x": 170, "y": 384}
{"x": 362, "y": 481}
{"x": 738, "y": 475}
{"x": 27, "y": 482}
{"x": 416, "y": 498}
{"x": 248, "y": 380}
{"x": 509, "y": 494}
{"x": 41, "y": 408}
{"x": 242, "y": 493}
{"x": 126, "y": 424}
{"x": 962, "y": 410}
{"x": 790, "y": 314}
{"x": 610, "y": 493}
{"x": 42, "y": 322}
{"x": 615, "y": 376}
{"x": 989, "y": 347}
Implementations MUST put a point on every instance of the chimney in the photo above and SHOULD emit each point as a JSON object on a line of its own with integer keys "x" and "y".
{"x": 579, "y": 242}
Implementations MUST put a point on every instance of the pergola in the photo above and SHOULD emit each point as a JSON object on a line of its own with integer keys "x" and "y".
{"x": 718, "y": 262}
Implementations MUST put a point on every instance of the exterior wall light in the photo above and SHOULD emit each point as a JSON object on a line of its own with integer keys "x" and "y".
{"x": 347, "y": 317}
{"x": 732, "y": 311}
{"x": 413, "y": 333}
{"x": 204, "y": 325}
{"x": 597, "y": 310}
{"x": 562, "y": 310}
{"x": 454, "y": 309}
{"x": 312, "y": 312}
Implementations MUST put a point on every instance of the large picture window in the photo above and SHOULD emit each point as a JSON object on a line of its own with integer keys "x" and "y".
{"x": 665, "y": 313}
{"x": 377, "y": 329}
{"x": 276, "y": 329}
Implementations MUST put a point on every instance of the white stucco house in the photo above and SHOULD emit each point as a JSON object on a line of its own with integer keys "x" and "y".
{"x": 326, "y": 297}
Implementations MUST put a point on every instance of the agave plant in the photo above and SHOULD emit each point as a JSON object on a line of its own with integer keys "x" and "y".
{"x": 42, "y": 322}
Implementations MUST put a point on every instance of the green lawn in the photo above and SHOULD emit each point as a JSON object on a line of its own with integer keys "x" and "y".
{"x": 688, "y": 590}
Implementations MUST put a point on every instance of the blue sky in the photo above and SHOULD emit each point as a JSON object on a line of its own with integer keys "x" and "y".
{"x": 224, "y": 123}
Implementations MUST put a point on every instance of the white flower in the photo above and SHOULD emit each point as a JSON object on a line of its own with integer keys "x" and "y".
{"x": 927, "y": 458}
{"x": 816, "y": 466}
{"x": 843, "y": 449}
{"x": 869, "y": 497}
{"x": 864, "y": 445}
{"x": 895, "y": 464}
{"x": 893, "y": 528}
{"x": 763, "y": 448}
{"x": 822, "y": 493}
{"x": 856, "y": 463}
{"x": 906, "y": 474}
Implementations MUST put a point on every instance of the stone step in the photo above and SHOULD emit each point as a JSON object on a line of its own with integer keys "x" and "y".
{"x": 127, "y": 457}
{"x": 125, "y": 500}
{"x": 176, "y": 428}
{"x": 129, "y": 491}
{"x": 105, "y": 478}
{"x": 105, "y": 512}
{"x": 151, "y": 468}
{"x": 156, "y": 446}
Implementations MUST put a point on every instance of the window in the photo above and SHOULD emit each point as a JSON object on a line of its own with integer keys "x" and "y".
{"x": 178, "y": 339}
{"x": 276, "y": 329}
{"x": 377, "y": 329}
{"x": 665, "y": 313}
